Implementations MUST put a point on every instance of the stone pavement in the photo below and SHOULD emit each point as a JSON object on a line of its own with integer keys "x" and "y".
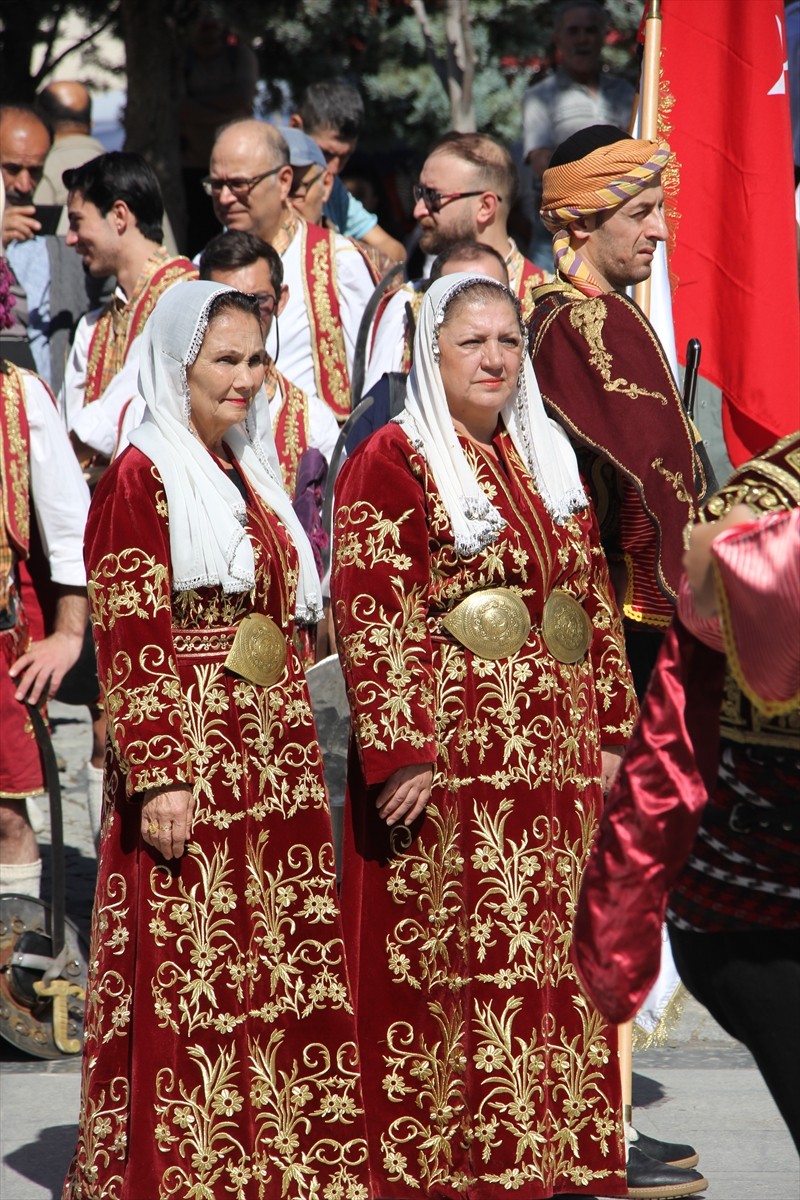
{"x": 702, "y": 1088}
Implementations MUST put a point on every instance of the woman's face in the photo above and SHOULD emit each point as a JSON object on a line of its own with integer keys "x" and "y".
{"x": 226, "y": 374}
{"x": 480, "y": 350}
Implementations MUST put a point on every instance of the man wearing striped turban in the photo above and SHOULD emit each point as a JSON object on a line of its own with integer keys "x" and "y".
{"x": 603, "y": 374}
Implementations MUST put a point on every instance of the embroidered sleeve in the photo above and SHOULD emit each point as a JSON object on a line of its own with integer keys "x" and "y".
{"x": 380, "y": 596}
{"x": 616, "y": 699}
{"x": 127, "y": 557}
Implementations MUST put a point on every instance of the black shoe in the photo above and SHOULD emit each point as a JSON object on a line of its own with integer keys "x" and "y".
{"x": 674, "y": 1154}
{"x": 651, "y": 1180}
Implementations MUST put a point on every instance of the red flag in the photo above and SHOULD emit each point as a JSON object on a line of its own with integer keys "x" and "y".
{"x": 725, "y": 112}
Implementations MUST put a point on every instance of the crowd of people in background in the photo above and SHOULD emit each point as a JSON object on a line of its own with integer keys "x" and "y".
{"x": 502, "y": 566}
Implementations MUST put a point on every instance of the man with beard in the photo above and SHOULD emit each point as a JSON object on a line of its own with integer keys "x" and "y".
{"x": 467, "y": 187}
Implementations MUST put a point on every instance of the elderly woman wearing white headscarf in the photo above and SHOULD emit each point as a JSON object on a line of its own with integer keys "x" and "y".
{"x": 490, "y": 695}
{"x": 220, "y": 1055}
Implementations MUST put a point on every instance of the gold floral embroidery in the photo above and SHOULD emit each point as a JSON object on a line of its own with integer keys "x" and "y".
{"x": 588, "y": 319}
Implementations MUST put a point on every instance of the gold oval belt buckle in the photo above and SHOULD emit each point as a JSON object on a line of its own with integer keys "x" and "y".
{"x": 258, "y": 652}
{"x": 493, "y": 623}
{"x": 566, "y": 628}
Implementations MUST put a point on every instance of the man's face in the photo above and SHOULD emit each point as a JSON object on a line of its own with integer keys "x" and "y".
{"x": 337, "y": 150}
{"x": 621, "y": 245}
{"x": 579, "y": 40}
{"x": 93, "y": 236}
{"x": 455, "y": 220}
{"x": 256, "y": 278}
{"x": 311, "y": 187}
{"x": 239, "y": 154}
{"x": 24, "y": 143}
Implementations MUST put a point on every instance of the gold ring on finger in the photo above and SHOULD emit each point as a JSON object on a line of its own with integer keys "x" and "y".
{"x": 166, "y": 828}
{"x": 152, "y": 827}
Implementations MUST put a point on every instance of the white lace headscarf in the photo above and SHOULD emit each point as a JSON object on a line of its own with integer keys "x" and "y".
{"x": 542, "y": 444}
{"x": 208, "y": 543}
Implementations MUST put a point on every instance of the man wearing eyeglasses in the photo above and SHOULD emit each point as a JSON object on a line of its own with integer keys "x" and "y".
{"x": 467, "y": 187}
{"x": 329, "y": 279}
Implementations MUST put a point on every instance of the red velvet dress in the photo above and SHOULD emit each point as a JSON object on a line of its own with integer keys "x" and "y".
{"x": 220, "y": 1056}
{"x": 486, "y": 1073}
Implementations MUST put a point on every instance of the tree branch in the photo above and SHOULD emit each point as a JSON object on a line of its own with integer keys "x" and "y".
{"x": 418, "y": 7}
{"x": 48, "y": 64}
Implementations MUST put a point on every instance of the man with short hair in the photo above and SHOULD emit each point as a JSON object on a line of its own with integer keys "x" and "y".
{"x": 467, "y": 187}
{"x": 604, "y": 376}
{"x": 329, "y": 279}
{"x": 249, "y": 264}
{"x": 115, "y": 212}
{"x": 578, "y": 93}
{"x": 51, "y": 288}
{"x": 312, "y": 178}
{"x": 332, "y": 113}
{"x": 66, "y": 107}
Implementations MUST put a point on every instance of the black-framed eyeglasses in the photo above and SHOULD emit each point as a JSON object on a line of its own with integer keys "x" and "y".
{"x": 435, "y": 200}
{"x": 239, "y": 187}
{"x": 301, "y": 191}
{"x": 266, "y": 302}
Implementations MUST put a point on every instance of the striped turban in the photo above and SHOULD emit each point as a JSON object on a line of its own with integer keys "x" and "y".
{"x": 595, "y": 170}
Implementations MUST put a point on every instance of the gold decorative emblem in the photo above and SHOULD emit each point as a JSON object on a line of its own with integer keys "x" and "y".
{"x": 566, "y": 627}
{"x": 258, "y": 652}
{"x": 493, "y": 623}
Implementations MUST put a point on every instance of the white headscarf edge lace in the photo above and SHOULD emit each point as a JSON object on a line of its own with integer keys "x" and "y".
{"x": 208, "y": 543}
{"x": 541, "y": 443}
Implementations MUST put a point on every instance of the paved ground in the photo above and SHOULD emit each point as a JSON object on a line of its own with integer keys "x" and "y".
{"x": 702, "y": 1088}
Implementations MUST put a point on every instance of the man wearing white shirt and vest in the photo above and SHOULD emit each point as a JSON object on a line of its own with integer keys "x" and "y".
{"x": 329, "y": 279}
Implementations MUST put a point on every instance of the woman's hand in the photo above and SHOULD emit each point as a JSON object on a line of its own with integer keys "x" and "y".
{"x": 610, "y": 758}
{"x": 405, "y": 794}
{"x": 167, "y": 819}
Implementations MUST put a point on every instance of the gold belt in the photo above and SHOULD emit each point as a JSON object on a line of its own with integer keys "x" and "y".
{"x": 493, "y": 623}
{"x": 258, "y": 652}
{"x": 566, "y": 628}
{"x": 255, "y": 648}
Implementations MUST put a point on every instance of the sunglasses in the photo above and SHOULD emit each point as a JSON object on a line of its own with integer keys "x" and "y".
{"x": 239, "y": 187}
{"x": 435, "y": 200}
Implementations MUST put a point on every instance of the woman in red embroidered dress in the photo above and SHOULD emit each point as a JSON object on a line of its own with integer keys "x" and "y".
{"x": 220, "y": 1056}
{"x": 490, "y": 693}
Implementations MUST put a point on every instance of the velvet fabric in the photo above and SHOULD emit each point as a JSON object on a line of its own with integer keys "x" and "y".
{"x": 649, "y": 826}
{"x": 220, "y": 1055}
{"x": 486, "y": 1073}
{"x": 603, "y": 376}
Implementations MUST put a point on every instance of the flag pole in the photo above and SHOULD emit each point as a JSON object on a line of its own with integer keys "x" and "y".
{"x": 648, "y": 105}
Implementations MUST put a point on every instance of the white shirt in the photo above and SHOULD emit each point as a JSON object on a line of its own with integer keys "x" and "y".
{"x": 58, "y": 490}
{"x": 97, "y": 424}
{"x": 354, "y": 286}
{"x": 388, "y": 338}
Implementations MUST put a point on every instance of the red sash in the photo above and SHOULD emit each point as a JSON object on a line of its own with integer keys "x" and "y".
{"x": 290, "y": 428}
{"x": 322, "y": 300}
{"x": 118, "y": 327}
{"x": 14, "y": 460}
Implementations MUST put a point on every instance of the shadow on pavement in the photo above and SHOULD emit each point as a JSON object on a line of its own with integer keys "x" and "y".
{"x": 45, "y": 1161}
{"x": 646, "y": 1091}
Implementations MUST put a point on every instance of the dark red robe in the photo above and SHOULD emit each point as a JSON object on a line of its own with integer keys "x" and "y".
{"x": 220, "y": 1056}
{"x": 486, "y": 1073}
